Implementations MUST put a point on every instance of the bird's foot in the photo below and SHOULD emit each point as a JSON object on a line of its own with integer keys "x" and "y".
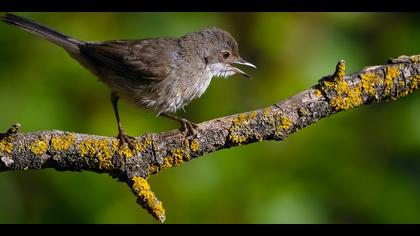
{"x": 126, "y": 139}
{"x": 188, "y": 128}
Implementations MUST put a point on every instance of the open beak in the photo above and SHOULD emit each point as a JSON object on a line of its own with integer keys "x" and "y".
{"x": 241, "y": 61}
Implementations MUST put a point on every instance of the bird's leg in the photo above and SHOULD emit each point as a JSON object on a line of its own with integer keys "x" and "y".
{"x": 187, "y": 127}
{"x": 121, "y": 134}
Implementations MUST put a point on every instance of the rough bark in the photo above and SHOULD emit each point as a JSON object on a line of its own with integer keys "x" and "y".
{"x": 156, "y": 152}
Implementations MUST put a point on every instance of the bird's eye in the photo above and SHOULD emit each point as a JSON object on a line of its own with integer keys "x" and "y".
{"x": 226, "y": 54}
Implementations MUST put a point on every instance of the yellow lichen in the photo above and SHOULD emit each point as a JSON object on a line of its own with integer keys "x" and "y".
{"x": 121, "y": 149}
{"x": 237, "y": 125}
{"x": 115, "y": 144}
{"x": 268, "y": 116}
{"x": 62, "y": 143}
{"x": 140, "y": 147}
{"x": 177, "y": 157}
{"x": 282, "y": 123}
{"x": 38, "y": 147}
{"x": 415, "y": 59}
{"x": 145, "y": 195}
{"x": 369, "y": 80}
{"x": 339, "y": 71}
{"x": 391, "y": 74}
{"x": 14, "y": 129}
{"x": 167, "y": 163}
{"x": 98, "y": 149}
{"x": 6, "y": 145}
{"x": 342, "y": 86}
{"x": 413, "y": 84}
{"x": 328, "y": 84}
{"x": 285, "y": 122}
{"x": 266, "y": 112}
{"x": 303, "y": 111}
{"x": 401, "y": 89}
{"x": 242, "y": 118}
{"x": 153, "y": 170}
{"x": 345, "y": 97}
{"x": 401, "y": 83}
{"x": 125, "y": 151}
{"x": 238, "y": 139}
{"x": 194, "y": 146}
{"x": 415, "y": 80}
{"x": 317, "y": 92}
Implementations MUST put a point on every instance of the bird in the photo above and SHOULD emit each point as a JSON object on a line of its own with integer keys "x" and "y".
{"x": 161, "y": 75}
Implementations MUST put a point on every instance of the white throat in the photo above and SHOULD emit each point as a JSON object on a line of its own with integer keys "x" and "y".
{"x": 220, "y": 70}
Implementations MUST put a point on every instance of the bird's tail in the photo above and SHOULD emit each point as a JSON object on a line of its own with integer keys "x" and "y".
{"x": 68, "y": 43}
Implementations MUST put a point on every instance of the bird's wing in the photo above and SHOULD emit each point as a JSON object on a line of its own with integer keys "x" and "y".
{"x": 150, "y": 59}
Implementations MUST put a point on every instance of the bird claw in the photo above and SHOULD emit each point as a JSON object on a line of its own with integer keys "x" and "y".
{"x": 188, "y": 128}
{"x": 126, "y": 139}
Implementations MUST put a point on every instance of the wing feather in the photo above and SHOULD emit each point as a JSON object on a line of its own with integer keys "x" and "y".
{"x": 149, "y": 59}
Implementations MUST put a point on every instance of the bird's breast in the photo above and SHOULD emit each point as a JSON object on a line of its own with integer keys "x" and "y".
{"x": 200, "y": 84}
{"x": 170, "y": 94}
{"x": 193, "y": 86}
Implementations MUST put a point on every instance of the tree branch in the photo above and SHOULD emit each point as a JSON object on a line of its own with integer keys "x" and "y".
{"x": 156, "y": 152}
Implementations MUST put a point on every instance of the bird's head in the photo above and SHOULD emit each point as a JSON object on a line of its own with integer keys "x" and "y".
{"x": 220, "y": 52}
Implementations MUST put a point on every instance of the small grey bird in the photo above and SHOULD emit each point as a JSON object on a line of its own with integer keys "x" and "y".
{"x": 159, "y": 74}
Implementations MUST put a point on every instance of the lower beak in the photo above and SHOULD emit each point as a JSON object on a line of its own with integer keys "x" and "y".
{"x": 245, "y": 63}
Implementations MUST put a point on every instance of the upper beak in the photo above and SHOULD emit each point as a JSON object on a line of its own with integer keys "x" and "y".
{"x": 245, "y": 63}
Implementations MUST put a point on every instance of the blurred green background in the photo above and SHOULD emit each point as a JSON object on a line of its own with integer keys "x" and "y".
{"x": 360, "y": 166}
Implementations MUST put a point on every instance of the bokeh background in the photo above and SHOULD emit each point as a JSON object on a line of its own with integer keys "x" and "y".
{"x": 359, "y": 166}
